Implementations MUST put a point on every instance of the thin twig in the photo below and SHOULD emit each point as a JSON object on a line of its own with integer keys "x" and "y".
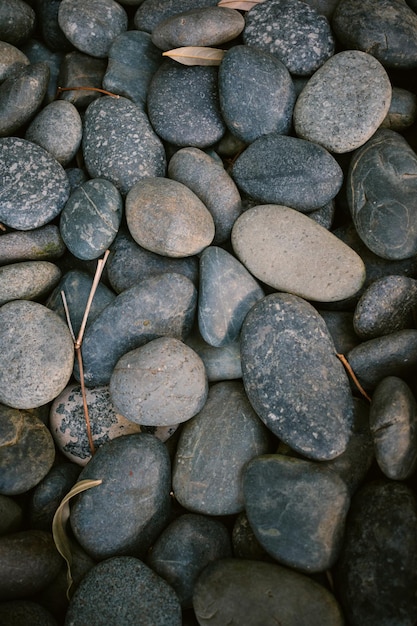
{"x": 108, "y": 93}
{"x": 353, "y": 375}
{"x": 67, "y": 315}
{"x": 97, "y": 276}
{"x": 84, "y": 397}
{"x": 2, "y": 227}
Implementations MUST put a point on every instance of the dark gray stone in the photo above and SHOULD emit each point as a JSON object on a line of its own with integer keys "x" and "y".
{"x": 12, "y": 60}
{"x": 79, "y": 70}
{"x": 21, "y": 96}
{"x": 136, "y": 476}
{"x": 28, "y": 280}
{"x": 344, "y": 102}
{"x": 166, "y": 217}
{"x": 129, "y": 264}
{"x": 386, "y": 306}
{"x": 27, "y": 451}
{"x": 132, "y": 61}
{"x": 58, "y": 129}
{"x": 17, "y": 21}
{"x": 287, "y": 28}
{"x": 162, "y": 305}
{"x": 340, "y": 326}
{"x": 29, "y": 562}
{"x": 37, "y": 354}
{"x": 220, "y": 363}
{"x": 183, "y": 105}
{"x": 152, "y": 12}
{"x": 11, "y": 515}
{"x": 37, "y": 52}
{"x": 119, "y": 143}
{"x": 293, "y": 378}
{"x": 92, "y": 27}
{"x": 227, "y": 291}
{"x": 112, "y": 587}
{"x": 324, "y": 215}
{"x": 287, "y": 170}
{"x": 387, "y": 29}
{"x": 391, "y": 355}
{"x": 17, "y": 612}
{"x": 380, "y": 549}
{"x": 208, "y": 26}
{"x": 52, "y": 34}
{"x": 213, "y": 450}
{"x": 34, "y": 185}
{"x": 33, "y": 245}
{"x": 48, "y": 493}
{"x": 393, "y": 424}
{"x": 76, "y": 177}
{"x": 245, "y": 544}
{"x": 257, "y": 93}
{"x": 243, "y": 591}
{"x": 185, "y": 548}
{"x": 381, "y": 185}
{"x": 212, "y": 184}
{"x": 402, "y": 111}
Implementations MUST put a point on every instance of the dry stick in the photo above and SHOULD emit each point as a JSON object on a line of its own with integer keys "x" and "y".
{"x": 2, "y": 227}
{"x": 352, "y": 375}
{"x": 108, "y": 93}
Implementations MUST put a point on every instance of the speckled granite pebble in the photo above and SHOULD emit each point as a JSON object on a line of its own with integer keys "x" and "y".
{"x": 12, "y": 60}
{"x": 29, "y": 280}
{"x": 151, "y": 12}
{"x": 17, "y": 21}
{"x": 344, "y": 103}
{"x": 34, "y": 186}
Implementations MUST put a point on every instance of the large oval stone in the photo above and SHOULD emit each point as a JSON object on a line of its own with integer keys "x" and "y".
{"x": 290, "y": 252}
{"x": 344, "y": 102}
{"x": 29, "y": 280}
{"x": 292, "y": 376}
{"x": 136, "y": 478}
{"x": 288, "y": 170}
{"x": 382, "y": 183}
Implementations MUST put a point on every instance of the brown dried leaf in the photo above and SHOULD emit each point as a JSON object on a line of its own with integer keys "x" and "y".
{"x": 195, "y": 55}
{"x": 240, "y": 5}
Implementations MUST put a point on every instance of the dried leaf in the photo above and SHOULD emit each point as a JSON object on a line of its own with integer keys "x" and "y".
{"x": 58, "y": 525}
{"x": 240, "y": 5}
{"x": 195, "y": 55}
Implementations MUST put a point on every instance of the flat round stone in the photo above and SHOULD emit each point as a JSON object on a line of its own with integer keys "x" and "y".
{"x": 290, "y": 252}
{"x": 292, "y": 376}
{"x": 344, "y": 103}
{"x": 34, "y": 186}
{"x": 29, "y": 280}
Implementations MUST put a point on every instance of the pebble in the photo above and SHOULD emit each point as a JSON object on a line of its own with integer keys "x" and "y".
{"x": 393, "y": 424}
{"x": 78, "y": 70}
{"x": 11, "y": 515}
{"x": 290, "y": 252}
{"x": 58, "y": 129}
{"x": 293, "y": 31}
{"x": 290, "y": 171}
{"x": 386, "y": 29}
{"x": 119, "y": 143}
{"x": 37, "y": 354}
{"x": 380, "y": 183}
{"x": 34, "y": 185}
{"x": 92, "y": 27}
{"x": 185, "y": 548}
{"x": 209, "y": 26}
{"x": 340, "y": 326}
{"x": 17, "y": 612}
{"x": 151, "y": 12}
{"x": 220, "y": 363}
{"x": 52, "y": 34}
{"x": 386, "y": 306}
{"x": 261, "y": 594}
{"x": 91, "y": 218}
{"x": 403, "y": 110}
{"x": 17, "y": 21}
{"x": 26, "y": 451}
{"x": 212, "y": 184}
{"x": 344, "y": 102}
{"x": 297, "y": 510}
{"x": 37, "y": 52}
{"x": 227, "y": 291}
{"x": 183, "y": 105}
{"x": 166, "y": 217}
{"x": 33, "y": 245}
{"x": 257, "y": 94}
{"x": 99, "y": 600}
{"x": 29, "y": 280}
{"x": 12, "y": 60}
{"x": 213, "y": 450}
{"x": 379, "y": 548}
{"x": 293, "y": 378}
{"x": 245, "y": 544}
{"x": 135, "y": 470}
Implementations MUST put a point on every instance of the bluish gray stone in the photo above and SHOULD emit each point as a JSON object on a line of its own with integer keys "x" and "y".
{"x": 340, "y": 326}
{"x": 109, "y": 594}
{"x": 76, "y": 177}
{"x": 52, "y": 34}
{"x": 287, "y": 28}
{"x": 12, "y": 60}
{"x": 324, "y": 215}
{"x": 227, "y": 291}
{"x": 162, "y": 305}
{"x": 287, "y": 170}
{"x": 257, "y": 94}
{"x": 92, "y": 27}
{"x": 119, "y": 143}
{"x": 37, "y": 52}
{"x": 16, "y": 612}
{"x": 39, "y": 244}
{"x": 11, "y": 515}
{"x": 185, "y": 548}
{"x": 17, "y": 21}
{"x": 297, "y": 510}
{"x": 380, "y": 547}
{"x": 79, "y": 70}
{"x": 213, "y": 450}
{"x": 393, "y": 424}
{"x": 402, "y": 111}
{"x": 381, "y": 185}
{"x": 136, "y": 476}
{"x": 245, "y": 544}
{"x": 151, "y": 12}
{"x": 212, "y": 184}
{"x": 292, "y": 376}
{"x": 220, "y": 363}
{"x": 34, "y": 186}
{"x": 28, "y": 280}
{"x": 183, "y": 105}
{"x": 48, "y": 493}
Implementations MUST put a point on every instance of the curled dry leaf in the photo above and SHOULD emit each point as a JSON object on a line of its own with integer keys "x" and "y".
{"x": 195, "y": 55}
{"x": 59, "y": 522}
{"x": 240, "y": 5}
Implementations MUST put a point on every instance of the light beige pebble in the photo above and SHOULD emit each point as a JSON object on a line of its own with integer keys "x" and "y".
{"x": 29, "y": 280}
